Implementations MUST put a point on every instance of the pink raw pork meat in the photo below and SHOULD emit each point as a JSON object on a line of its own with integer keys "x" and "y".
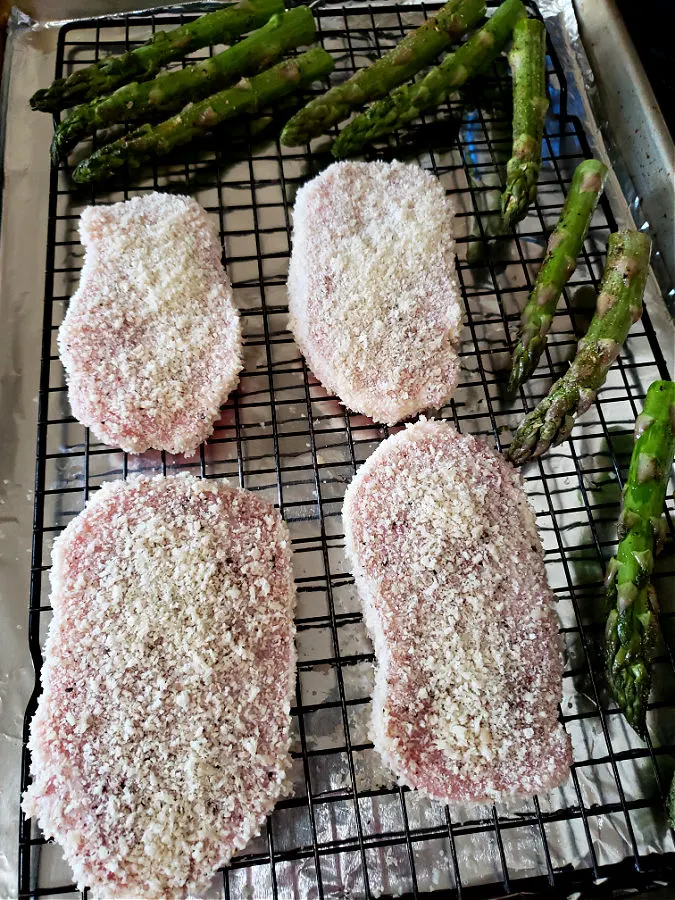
{"x": 161, "y": 738}
{"x": 151, "y": 341}
{"x": 373, "y": 296}
{"x": 450, "y": 570}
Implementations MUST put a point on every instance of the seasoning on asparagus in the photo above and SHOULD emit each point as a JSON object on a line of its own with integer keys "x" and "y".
{"x": 248, "y": 96}
{"x": 528, "y": 68}
{"x": 413, "y": 53}
{"x": 671, "y": 804}
{"x": 631, "y": 627}
{"x": 171, "y": 91}
{"x": 619, "y": 305}
{"x": 560, "y": 261}
{"x": 409, "y": 101}
{"x": 222, "y": 26}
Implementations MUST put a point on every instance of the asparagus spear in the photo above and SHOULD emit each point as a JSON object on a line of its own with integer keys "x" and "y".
{"x": 409, "y": 101}
{"x": 248, "y": 96}
{"x": 528, "y": 68}
{"x": 413, "y": 53}
{"x": 671, "y": 804}
{"x": 619, "y": 305}
{"x": 564, "y": 246}
{"x": 631, "y": 623}
{"x": 140, "y": 64}
{"x": 171, "y": 91}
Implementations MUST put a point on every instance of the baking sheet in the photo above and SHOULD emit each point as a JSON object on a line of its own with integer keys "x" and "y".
{"x": 30, "y": 64}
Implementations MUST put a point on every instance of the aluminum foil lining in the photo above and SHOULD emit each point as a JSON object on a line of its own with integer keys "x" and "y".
{"x": 22, "y": 242}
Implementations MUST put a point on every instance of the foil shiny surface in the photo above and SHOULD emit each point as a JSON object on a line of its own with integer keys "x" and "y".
{"x": 30, "y": 64}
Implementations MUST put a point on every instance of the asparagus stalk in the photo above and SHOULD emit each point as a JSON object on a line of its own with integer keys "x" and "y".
{"x": 409, "y": 101}
{"x": 631, "y": 624}
{"x": 560, "y": 261}
{"x": 413, "y": 53}
{"x": 671, "y": 804}
{"x": 248, "y": 96}
{"x": 169, "y": 92}
{"x": 619, "y": 305}
{"x": 528, "y": 68}
{"x": 142, "y": 63}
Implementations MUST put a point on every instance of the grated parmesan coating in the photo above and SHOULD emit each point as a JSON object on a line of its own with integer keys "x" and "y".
{"x": 450, "y": 570}
{"x": 151, "y": 342}
{"x": 373, "y": 295}
{"x": 161, "y": 738}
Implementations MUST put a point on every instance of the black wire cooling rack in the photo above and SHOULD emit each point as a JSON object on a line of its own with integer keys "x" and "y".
{"x": 347, "y": 830}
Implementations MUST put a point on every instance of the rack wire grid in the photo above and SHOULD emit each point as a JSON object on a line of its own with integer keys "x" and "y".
{"x": 349, "y": 830}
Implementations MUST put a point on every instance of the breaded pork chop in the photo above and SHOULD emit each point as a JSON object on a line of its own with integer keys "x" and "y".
{"x": 151, "y": 341}
{"x": 161, "y": 738}
{"x": 373, "y": 295}
{"x": 450, "y": 570}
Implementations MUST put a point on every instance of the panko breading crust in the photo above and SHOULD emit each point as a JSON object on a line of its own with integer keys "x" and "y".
{"x": 151, "y": 342}
{"x": 373, "y": 296}
{"x": 450, "y": 570}
{"x": 161, "y": 738}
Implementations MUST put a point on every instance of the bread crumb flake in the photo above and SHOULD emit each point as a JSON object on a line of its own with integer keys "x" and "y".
{"x": 161, "y": 739}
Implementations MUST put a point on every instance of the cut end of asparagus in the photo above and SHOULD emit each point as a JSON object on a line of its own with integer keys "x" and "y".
{"x": 140, "y": 64}
{"x": 592, "y": 174}
{"x": 408, "y": 102}
{"x": 247, "y": 97}
{"x": 169, "y": 92}
{"x": 528, "y": 67}
{"x": 414, "y": 52}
